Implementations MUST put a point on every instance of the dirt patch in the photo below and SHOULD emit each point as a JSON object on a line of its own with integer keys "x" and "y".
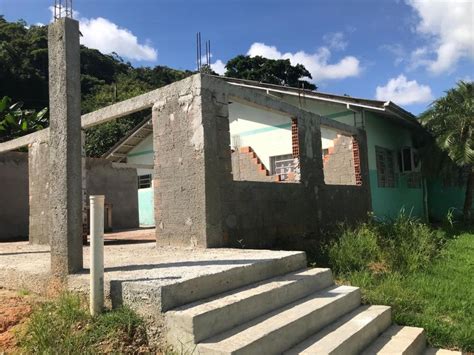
{"x": 14, "y": 311}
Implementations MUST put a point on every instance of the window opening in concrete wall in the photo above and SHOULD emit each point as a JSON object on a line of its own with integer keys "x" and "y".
{"x": 385, "y": 162}
{"x": 263, "y": 144}
{"x": 282, "y": 165}
{"x": 144, "y": 181}
{"x": 340, "y": 155}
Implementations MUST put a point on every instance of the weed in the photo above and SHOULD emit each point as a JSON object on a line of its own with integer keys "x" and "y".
{"x": 65, "y": 326}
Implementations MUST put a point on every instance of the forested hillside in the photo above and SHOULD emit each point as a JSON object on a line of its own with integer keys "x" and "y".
{"x": 105, "y": 79}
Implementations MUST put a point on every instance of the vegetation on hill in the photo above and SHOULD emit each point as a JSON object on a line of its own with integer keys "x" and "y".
{"x": 106, "y": 79}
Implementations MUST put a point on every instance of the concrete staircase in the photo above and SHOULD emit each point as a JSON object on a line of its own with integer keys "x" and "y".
{"x": 299, "y": 312}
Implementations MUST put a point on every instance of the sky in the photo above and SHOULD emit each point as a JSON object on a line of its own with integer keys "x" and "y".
{"x": 406, "y": 51}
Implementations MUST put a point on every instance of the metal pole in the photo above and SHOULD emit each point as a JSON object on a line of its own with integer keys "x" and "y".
{"x": 97, "y": 254}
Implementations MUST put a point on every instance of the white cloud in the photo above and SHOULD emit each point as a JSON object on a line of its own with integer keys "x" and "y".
{"x": 218, "y": 66}
{"x": 335, "y": 40}
{"x": 107, "y": 37}
{"x": 449, "y": 28}
{"x": 404, "y": 92}
{"x": 317, "y": 63}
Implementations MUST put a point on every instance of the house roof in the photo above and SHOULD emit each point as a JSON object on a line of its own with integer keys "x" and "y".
{"x": 120, "y": 150}
{"x": 386, "y": 109}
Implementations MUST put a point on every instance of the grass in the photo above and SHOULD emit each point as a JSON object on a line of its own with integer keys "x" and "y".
{"x": 425, "y": 274}
{"x": 64, "y": 326}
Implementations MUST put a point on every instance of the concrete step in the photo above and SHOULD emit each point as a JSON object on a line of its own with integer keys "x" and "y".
{"x": 283, "y": 328}
{"x": 349, "y": 334}
{"x": 435, "y": 351}
{"x": 200, "y": 320}
{"x": 208, "y": 285}
{"x": 399, "y": 340}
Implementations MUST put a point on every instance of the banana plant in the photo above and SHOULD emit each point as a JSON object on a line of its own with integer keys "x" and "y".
{"x": 16, "y": 121}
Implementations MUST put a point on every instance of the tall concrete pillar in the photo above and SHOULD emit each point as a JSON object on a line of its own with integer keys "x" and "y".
{"x": 65, "y": 146}
{"x": 191, "y": 136}
{"x": 39, "y": 186}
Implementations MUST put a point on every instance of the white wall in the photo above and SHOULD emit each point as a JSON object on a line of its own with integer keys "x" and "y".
{"x": 269, "y": 134}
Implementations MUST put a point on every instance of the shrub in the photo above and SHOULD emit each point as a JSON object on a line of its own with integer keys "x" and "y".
{"x": 403, "y": 244}
{"x": 355, "y": 250}
{"x": 407, "y": 243}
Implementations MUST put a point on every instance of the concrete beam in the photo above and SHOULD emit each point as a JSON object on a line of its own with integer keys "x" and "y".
{"x": 65, "y": 144}
{"x": 132, "y": 166}
{"x": 338, "y": 126}
{"x": 35, "y": 137}
{"x": 252, "y": 98}
{"x": 122, "y": 108}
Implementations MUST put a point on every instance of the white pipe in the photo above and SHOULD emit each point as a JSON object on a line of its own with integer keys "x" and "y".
{"x": 97, "y": 254}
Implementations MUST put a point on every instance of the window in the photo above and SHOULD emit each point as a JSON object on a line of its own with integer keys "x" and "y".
{"x": 144, "y": 181}
{"x": 282, "y": 165}
{"x": 408, "y": 160}
{"x": 385, "y": 167}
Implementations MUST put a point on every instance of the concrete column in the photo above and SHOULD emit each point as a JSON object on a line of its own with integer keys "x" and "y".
{"x": 39, "y": 185}
{"x": 191, "y": 141}
{"x": 65, "y": 146}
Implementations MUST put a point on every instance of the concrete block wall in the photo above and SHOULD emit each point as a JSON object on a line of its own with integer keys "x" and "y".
{"x": 339, "y": 162}
{"x": 197, "y": 202}
{"x": 119, "y": 186}
{"x": 13, "y": 196}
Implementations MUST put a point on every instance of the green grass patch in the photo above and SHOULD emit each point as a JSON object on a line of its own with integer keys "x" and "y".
{"x": 425, "y": 274}
{"x": 64, "y": 326}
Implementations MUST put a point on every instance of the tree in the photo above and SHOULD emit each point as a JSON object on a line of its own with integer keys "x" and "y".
{"x": 16, "y": 122}
{"x": 271, "y": 71}
{"x": 450, "y": 120}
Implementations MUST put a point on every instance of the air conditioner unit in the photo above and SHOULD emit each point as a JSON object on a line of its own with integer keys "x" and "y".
{"x": 408, "y": 160}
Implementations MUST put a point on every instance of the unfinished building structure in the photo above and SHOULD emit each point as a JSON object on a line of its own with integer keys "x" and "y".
{"x": 198, "y": 201}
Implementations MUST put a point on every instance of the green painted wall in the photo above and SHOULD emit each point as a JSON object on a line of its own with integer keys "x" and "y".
{"x": 380, "y": 132}
{"x": 441, "y": 199}
{"x": 145, "y": 207}
{"x": 386, "y": 201}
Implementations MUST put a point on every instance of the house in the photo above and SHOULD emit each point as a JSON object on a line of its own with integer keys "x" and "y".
{"x": 263, "y": 149}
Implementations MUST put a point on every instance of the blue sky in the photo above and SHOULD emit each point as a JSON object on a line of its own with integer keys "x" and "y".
{"x": 407, "y": 51}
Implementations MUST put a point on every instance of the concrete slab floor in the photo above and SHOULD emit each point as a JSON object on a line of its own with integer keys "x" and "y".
{"x": 25, "y": 266}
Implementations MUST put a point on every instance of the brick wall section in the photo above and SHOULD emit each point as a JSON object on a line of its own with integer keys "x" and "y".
{"x": 294, "y": 138}
{"x": 339, "y": 162}
{"x": 13, "y": 196}
{"x": 357, "y": 166}
{"x": 246, "y": 166}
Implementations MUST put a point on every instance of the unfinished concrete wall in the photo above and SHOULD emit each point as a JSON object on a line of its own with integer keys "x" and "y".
{"x": 119, "y": 185}
{"x": 40, "y": 211}
{"x": 339, "y": 162}
{"x": 186, "y": 168}
{"x": 197, "y": 202}
{"x": 13, "y": 196}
